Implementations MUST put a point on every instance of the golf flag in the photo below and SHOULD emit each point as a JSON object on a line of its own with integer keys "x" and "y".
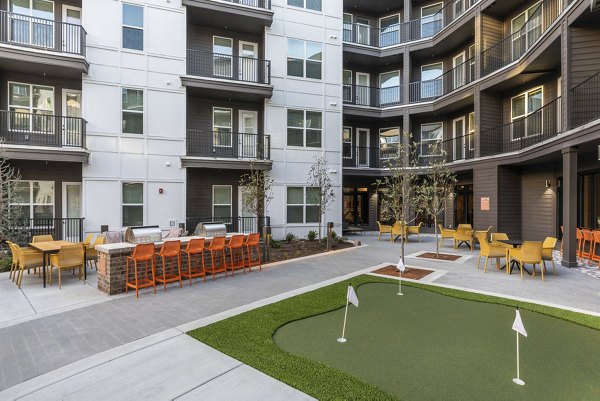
{"x": 518, "y": 325}
{"x": 401, "y": 266}
{"x": 352, "y": 298}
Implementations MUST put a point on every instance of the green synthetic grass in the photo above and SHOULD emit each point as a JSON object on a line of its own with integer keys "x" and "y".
{"x": 432, "y": 344}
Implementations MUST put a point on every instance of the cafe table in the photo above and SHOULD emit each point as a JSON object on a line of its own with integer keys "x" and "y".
{"x": 515, "y": 243}
{"x": 51, "y": 247}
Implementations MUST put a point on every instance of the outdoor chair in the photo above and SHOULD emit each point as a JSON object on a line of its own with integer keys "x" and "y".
{"x": 142, "y": 254}
{"x": 484, "y": 232}
{"x": 445, "y": 233}
{"x": 88, "y": 239}
{"x": 194, "y": 250}
{"x": 398, "y": 229}
{"x": 463, "y": 235}
{"x": 383, "y": 229}
{"x": 168, "y": 251}
{"x": 69, "y": 257}
{"x": 596, "y": 247}
{"x": 91, "y": 254}
{"x": 579, "y": 237}
{"x": 498, "y": 237}
{"x": 42, "y": 238}
{"x": 529, "y": 253}
{"x": 218, "y": 262}
{"x": 236, "y": 253}
{"x": 547, "y": 248}
{"x": 586, "y": 245}
{"x": 465, "y": 227}
{"x": 14, "y": 266}
{"x": 26, "y": 259}
{"x": 252, "y": 243}
{"x": 489, "y": 251}
{"x": 415, "y": 230}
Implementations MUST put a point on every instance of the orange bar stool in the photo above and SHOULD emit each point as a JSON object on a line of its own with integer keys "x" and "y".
{"x": 194, "y": 251}
{"x": 595, "y": 252}
{"x": 236, "y": 253}
{"x": 169, "y": 250}
{"x": 252, "y": 242}
{"x": 579, "y": 237}
{"x": 218, "y": 262}
{"x": 586, "y": 246}
{"x": 143, "y": 253}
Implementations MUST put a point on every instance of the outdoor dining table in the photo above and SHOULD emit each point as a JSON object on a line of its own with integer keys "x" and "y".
{"x": 50, "y": 247}
{"x": 515, "y": 243}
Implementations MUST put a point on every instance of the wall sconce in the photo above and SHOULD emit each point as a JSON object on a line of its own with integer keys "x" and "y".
{"x": 548, "y": 184}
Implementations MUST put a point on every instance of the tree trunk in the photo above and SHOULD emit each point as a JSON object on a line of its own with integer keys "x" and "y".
{"x": 437, "y": 242}
{"x": 402, "y": 243}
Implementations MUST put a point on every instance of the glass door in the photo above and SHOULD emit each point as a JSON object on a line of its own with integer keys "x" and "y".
{"x": 348, "y": 28}
{"x": 458, "y": 77}
{"x": 71, "y": 210}
{"x": 362, "y": 89}
{"x": 459, "y": 138}
{"x": 72, "y": 128}
{"x": 363, "y": 33}
{"x": 71, "y": 29}
{"x": 248, "y": 137}
{"x": 248, "y": 65}
{"x": 362, "y": 144}
{"x": 347, "y": 82}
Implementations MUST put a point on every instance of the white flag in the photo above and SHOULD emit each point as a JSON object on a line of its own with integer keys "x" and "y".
{"x": 352, "y": 298}
{"x": 518, "y": 325}
{"x": 401, "y": 266}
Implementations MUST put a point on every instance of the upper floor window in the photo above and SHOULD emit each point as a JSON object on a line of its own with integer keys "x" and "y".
{"x": 133, "y": 204}
{"x": 35, "y": 105}
{"x": 222, "y": 126}
{"x": 431, "y": 134}
{"x": 471, "y": 137}
{"x": 347, "y": 142}
{"x": 389, "y": 142}
{"x": 304, "y": 128}
{"x": 431, "y": 83}
{"x": 133, "y": 111}
{"x": 431, "y": 19}
{"x": 526, "y": 28}
{"x": 526, "y": 121}
{"x": 308, "y": 4}
{"x": 37, "y": 31}
{"x": 304, "y": 59}
{"x": 133, "y": 27}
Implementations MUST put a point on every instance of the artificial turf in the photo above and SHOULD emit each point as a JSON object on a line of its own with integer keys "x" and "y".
{"x": 432, "y": 344}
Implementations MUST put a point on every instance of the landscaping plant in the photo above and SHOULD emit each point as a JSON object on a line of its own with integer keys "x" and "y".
{"x": 12, "y": 219}
{"x": 321, "y": 192}
{"x": 257, "y": 190}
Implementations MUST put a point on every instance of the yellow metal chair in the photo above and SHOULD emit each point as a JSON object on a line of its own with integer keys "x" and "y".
{"x": 547, "y": 247}
{"x": 88, "y": 239}
{"x": 42, "y": 238}
{"x": 445, "y": 233}
{"x": 497, "y": 237}
{"x": 484, "y": 232}
{"x": 91, "y": 254}
{"x": 399, "y": 229}
{"x": 529, "y": 253}
{"x": 383, "y": 229}
{"x": 69, "y": 257}
{"x": 489, "y": 251}
{"x": 26, "y": 259}
{"x": 415, "y": 230}
{"x": 464, "y": 227}
{"x": 463, "y": 234}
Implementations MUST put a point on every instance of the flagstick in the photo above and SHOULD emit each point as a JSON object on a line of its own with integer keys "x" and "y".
{"x": 342, "y": 339}
{"x": 400, "y": 284}
{"x": 517, "y": 380}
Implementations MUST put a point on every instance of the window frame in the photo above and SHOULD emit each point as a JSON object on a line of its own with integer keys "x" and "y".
{"x": 123, "y": 204}
{"x": 47, "y": 22}
{"x": 31, "y": 204}
{"x": 304, "y": 205}
{"x": 217, "y": 134}
{"x": 304, "y": 128}
{"x": 441, "y": 123}
{"x": 347, "y": 144}
{"x": 304, "y": 6}
{"x": 123, "y": 111}
{"x": 215, "y": 55}
{"x": 424, "y": 88}
{"x": 30, "y": 109}
{"x": 432, "y": 19}
{"x": 526, "y": 95}
{"x": 471, "y": 132}
{"x": 386, "y": 149}
{"x": 230, "y": 204}
{"x": 304, "y": 59}
{"x": 142, "y": 28}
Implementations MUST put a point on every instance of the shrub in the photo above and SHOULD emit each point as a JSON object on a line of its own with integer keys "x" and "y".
{"x": 312, "y": 235}
{"x": 290, "y": 237}
{"x": 5, "y": 263}
{"x": 334, "y": 236}
{"x": 275, "y": 244}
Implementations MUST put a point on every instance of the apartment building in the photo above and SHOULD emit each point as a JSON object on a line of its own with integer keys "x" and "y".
{"x": 507, "y": 87}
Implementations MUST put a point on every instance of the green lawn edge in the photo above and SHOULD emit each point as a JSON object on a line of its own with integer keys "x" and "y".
{"x": 248, "y": 337}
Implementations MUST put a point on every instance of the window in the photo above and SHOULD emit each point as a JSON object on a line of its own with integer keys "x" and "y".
{"x": 308, "y": 4}
{"x": 431, "y": 81}
{"x": 222, "y": 127}
{"x": 472, "y": 62}
{"x": 35, "y": 199}
{"x": 347, "y": 143}
{"x": 304, "y": 59}
{"x": 389, "y": 84}
{"x": 389, "y": 142}
{"x": 390, "y": 30}
{"x": 347, "y": 27}
{"x": 34, "y": 105}
{"x": 471, "y": 138}
{"x": 347, "y": 82}
{"x": 222, "y": 201}
{"x": 302, "y": 205}
{"x": 304, "y": 128}
{"x": 37, "y": 31}
{"x": 430, "y": 135}
{"x": 431, "y": 19}
{"x": 526, "y": 121}
{"x": 222, "y": 57}
{"x": 133, "y": 204}
{"x": 133, "y": 27}
{"x": 526, "y": 28}
{"x": 133, "y": 111}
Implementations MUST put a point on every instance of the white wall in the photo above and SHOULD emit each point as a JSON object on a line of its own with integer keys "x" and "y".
{"x": 291, "y": 165}
{"x": 117, "y": 157}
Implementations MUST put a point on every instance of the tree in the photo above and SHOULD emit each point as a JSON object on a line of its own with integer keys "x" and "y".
{"x": 12, "y": 219}
{"x": 435, "y": 187}
{"x": 397, "y": 188}
{"x": 321, "y": 193}
{"x": 257, "y": 190}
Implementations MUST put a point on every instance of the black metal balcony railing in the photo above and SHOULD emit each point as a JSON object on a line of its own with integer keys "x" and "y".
{"x": 68, "y": 229}
{"x": 224, "y": 66}
{"x": 372, "y": 97}
{"x": 449, "y": 150}
{"x": 450, "y": 81}
{"x": 536, "y": 127}
{"x": 404, "y": 32}
{"x": 40, "y": 33}
{"x": 516, "y": 45}
{"x": 42, "y": 129}
{"x": 266, "y": 4}
{"x": 585, "y": 103}
{"x": 236, "y": 224}
{"x": 228, "y": 145}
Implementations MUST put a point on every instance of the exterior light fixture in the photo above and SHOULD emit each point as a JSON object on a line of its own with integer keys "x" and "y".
{"x": 548, "y": 184}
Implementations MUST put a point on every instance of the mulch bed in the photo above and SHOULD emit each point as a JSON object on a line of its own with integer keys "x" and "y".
{"x": 300, "y": 248}
{"x": 443, "y": 256}
{"x": 412, "y": 273}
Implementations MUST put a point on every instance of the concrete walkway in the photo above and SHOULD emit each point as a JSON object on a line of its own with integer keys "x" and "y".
{"x": 42, "y": 345}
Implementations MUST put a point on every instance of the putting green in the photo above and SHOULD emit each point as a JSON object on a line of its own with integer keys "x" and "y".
{"x": 428, "y": 346}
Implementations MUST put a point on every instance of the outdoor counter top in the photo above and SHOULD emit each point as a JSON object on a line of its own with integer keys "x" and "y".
{"x": 124, "y": 246}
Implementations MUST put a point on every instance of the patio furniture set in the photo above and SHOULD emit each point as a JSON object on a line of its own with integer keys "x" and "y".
{"x": 397, "y": 230}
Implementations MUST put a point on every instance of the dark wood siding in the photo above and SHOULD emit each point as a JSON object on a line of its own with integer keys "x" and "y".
{"x": 200, "y": 112}
{"x": 199, "y": 190}
{"x": 201, "y": 38}
{"x": 549, "y": 84}
{"x": 509, "y": 202}
{"x": 585, "y": 56}
{"x": 539, "y": 203}
{"x": 491, "y": 31}
{"x": 485, "y": 185}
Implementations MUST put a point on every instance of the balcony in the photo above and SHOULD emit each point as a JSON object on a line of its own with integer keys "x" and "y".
{"x": 53, "y": 47}
{"x": 223, "y": 149}
{"x": 452, "y": 80}
{"x": 227, "y": 75}
{"x": 237, "y": 15}
{"x": 585, "y": 105}
{"x": 358, "y": 95}
{"x": 43, "y": 136}
{"x": 405, "y": 32}
{"x": 542, "y": 124}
